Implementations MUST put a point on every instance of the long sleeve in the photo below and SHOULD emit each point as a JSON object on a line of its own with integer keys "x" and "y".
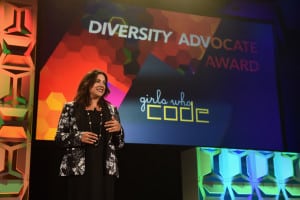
{"x": 118, "y": 138}
{"x": 67, "y": 134}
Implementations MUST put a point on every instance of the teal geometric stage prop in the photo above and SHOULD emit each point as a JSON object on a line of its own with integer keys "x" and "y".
{"x": 232, "y": 174}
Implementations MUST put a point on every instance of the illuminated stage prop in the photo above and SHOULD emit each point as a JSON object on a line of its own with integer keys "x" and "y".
{"x": 17, "y": 72}
{"x": 221, "y": 173}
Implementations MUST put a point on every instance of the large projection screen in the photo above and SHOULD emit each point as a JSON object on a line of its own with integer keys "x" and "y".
{"x": 177, "y": 79}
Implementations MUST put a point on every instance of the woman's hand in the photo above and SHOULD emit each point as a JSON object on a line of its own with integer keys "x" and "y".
{"x": 112, "y": 125}
{"x": 89, "y": 137}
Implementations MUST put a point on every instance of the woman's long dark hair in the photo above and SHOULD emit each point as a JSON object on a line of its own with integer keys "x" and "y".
{"x": 82, "y": 98}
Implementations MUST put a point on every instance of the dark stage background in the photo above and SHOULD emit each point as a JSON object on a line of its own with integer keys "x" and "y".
{"x": 153, "y": 171}
{"x": 146, "y": 172}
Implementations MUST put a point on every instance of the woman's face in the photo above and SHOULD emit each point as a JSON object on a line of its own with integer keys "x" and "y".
{"x": 99, "y": 87}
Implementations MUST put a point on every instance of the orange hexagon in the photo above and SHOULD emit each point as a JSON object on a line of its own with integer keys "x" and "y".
{"x": 52, "y": 118}
{"x": 41, "y": 129}
{"x": 55, "y": 101}
{"x": 43, "y": 109}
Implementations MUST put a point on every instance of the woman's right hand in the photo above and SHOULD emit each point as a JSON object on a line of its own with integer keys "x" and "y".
{"x": 89, "y": 137}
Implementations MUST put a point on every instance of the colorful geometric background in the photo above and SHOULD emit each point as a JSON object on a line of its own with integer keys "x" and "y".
{"x": 79, "y": 52}
{"x": 17, "y": 72}
{"x": 69, "y": 54}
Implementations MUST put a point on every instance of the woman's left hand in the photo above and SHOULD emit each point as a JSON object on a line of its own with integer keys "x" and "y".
{"x": 112, "y": 125}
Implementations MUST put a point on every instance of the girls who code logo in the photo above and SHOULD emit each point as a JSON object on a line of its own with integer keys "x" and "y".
{"x": 178, "y": 110}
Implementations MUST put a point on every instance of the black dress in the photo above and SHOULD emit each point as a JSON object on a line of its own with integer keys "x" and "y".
{"x": 94, "y": 184}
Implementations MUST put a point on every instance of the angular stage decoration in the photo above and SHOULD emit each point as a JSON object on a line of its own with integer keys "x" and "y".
{"x": 18, "y": 23}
